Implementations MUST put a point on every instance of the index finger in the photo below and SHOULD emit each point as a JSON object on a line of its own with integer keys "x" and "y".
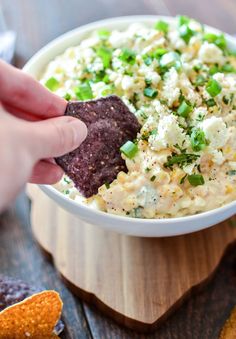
{"x": 21, "y": 91}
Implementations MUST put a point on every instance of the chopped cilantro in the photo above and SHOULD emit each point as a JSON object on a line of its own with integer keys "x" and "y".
{"x": 180, "y": 159}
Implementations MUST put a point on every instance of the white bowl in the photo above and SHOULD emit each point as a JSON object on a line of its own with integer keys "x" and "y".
{"x": 125, "y": 225}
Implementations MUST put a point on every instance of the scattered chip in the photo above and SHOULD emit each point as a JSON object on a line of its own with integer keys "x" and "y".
{"x": 98, "y": 160}
{"x": 229, "y": 329}
{"x": 13, "y": 291}
{"x": 33, "y": 317}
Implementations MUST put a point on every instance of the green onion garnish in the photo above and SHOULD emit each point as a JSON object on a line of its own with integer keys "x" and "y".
{"x": 162, "y": 26}
{"x": 184, "y": 109}
{"x": 183, "y": 20}
{"x": 227, "y": 68}
{"x": 52, "y": 84}
{"x": 128, "y": 56}
{"x": 153, "y": 178}
{"x": 218, "y": 40}
{"x": 106, "y": 55}
{"x": 150, "y": 92}
{"x": 213, "y": 87}
{"x": 210, "y": 102}
{"x": 67, "y": 96}
{"x": 147, "y": 60}
{"x": 103, "y": 34}
{"x": 198, "y": 140}
{"x": 129, "y": 149}
{"x": 84, "y": 91}
{"x": 196, "y": 179}
{"x": 107, "y": 185}
{"x": 231, "y": 172}
{"x": 169, "y": 60}
{"x": 159, "y": 52}
{"x": 200, "y": 80}
{"x": 186, "y": 33}
{"x": 214, "y": 69}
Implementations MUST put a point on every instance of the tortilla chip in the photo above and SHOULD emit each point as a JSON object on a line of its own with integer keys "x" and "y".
{"x": 98, "y": 159}
{"x": 34, "y": 317}
{"x": 229, "y": 329}
{"x": 13, "y": 291}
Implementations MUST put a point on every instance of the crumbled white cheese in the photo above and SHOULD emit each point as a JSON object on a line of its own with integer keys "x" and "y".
{"x": 171, "y": 91}
{"x": 210, "y": 53}
{"x": 215, "y": 131}
{"x": 168, "y": 134}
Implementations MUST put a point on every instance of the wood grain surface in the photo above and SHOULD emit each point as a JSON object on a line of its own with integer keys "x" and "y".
{"x": 36, "y": 23}
{"x": 139, "y": 282}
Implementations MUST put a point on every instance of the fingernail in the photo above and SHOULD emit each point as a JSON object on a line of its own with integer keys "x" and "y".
{"x": 79, "y": 131}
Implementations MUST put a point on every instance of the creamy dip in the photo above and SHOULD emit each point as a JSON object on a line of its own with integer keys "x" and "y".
{"x": 180, "y": 82}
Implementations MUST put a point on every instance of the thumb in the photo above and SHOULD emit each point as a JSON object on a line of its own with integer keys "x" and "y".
{"x": 55, "y": 137}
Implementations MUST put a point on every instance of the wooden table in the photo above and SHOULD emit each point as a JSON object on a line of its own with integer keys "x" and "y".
{"x": 36, "y": 23}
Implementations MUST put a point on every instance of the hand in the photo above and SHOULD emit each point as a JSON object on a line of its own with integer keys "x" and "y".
{"x": 33, "y": 131}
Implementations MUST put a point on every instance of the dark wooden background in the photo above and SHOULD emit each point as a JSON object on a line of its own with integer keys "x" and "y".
{"x": 37, "y": 22}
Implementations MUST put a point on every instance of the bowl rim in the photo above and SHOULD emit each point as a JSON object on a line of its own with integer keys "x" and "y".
{"x": 83, "y": 207}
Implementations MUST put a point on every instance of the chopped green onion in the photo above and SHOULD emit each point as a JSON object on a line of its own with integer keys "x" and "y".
{"x": 196, "y": 179}
{"x": 147, "y": 169}
{"x": 108, "y": 90}
{"x": 214, "y": 69}
{"x": 107, "y": 185}
{"x": 200, "y": 80}
{"x": 150, "y": 92}
{"x": 106, "y": 55}
{"x": 184, "y": 109}
{"x": 186, "y": 33}
{"x": 159, "y": 52}
{"x": 148, "y": 81}
{"x": 197, "y": 68}
{"x": 103, "y": 34}
{"x": 231, "y": 172}
{"x": 84, "y": 91}
{"x": 183, "y": 20}
{"x": 129, "y": 149}
{"x": 147, "y": 60}
{"x": 213, "y": 87}
{"x": 210, "y": 102}
{"x": 162, "y": 26}
{"x": 153, "y": 178}
{"x": 198, "y": 139}
{"x": 52, "y": 84}
{"x": 227, "y": 68}
{"x": 128, "y": 56}
{"x": 67, "y": 96}
{"x": 218, "y": 40}
{"x": 169, "y": 60}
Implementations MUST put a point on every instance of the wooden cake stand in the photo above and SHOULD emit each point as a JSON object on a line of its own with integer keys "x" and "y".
{"x": 137, "y": 281}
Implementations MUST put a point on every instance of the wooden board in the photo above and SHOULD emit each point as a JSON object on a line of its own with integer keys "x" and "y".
{"x": 137, "y": 281}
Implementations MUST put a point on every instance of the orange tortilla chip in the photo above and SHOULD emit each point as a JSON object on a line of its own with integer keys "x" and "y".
{"x": 34, "y": 317}
{"x": 229, "y": 329}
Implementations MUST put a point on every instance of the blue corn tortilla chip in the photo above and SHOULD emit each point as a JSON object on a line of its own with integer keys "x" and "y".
{"x": 98, "y": 160}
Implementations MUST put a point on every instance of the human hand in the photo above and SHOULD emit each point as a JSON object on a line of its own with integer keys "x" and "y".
{"x": 33, "y": 131}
